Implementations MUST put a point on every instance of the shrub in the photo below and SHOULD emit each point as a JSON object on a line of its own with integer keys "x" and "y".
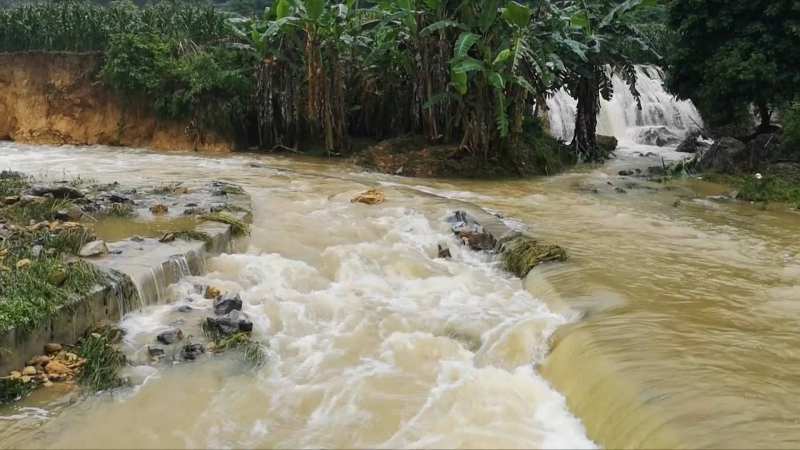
{"x": 791, "y": 128}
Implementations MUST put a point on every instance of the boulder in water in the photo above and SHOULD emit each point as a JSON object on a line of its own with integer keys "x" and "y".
{"x": 190, "y": 352}
{"x": 659, "y": 136}
{"x": 94, "y": 248}
{"x": 470, "y": 232}
{"x": 228, "y": 303}
{"x": 522, "y": 253}
{"x": 370, "y": 197}
{"x": 227, "y": 325}
{"x": 170, "y": 336}
{"x": 694, "y": 143}
{"x": 607, "y": 144}
{"x": 723, "y": 156}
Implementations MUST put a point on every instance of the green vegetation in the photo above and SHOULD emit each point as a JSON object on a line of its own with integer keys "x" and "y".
{"x": 12, "y": 390}
{"x": 35, "y": 278}
{"x": 103, "y": 362}
{"x": 521, "y": 253}
{"x": 729, "y": 55}
{"x": 252, "y": 352}
{"x": 319, "y": 74}
{"x": 238, "y": 227}
{"x": 791, "y": 129}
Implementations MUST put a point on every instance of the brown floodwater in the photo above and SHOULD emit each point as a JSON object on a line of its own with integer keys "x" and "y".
{"x": 672, "y": 325}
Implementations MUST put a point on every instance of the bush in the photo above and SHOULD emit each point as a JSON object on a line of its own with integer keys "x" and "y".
{"x": 791, "y": 128}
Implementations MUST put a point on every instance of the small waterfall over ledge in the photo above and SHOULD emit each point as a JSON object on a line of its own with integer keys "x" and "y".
{"x": 663, "y": 120}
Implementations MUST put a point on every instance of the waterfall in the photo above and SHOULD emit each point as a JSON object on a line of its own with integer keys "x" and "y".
{"x": 663, "y": 120}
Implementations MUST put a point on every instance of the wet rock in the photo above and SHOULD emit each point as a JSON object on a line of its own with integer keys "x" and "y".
{"x": 190, "y": 352}
{"x": 184, "y": 309}
{"x": 694, "y": 143}
{"x": 159, "y": 209}
{"x": 73, "y": 213}
{"x": 620, "y": 190}
{"x": 94, "y": 248}
{"x": 723, "y": 156}
{"x": 607, "y": 144}
{"x": 155, "y": 352}
{"x": 114, "y": 197}
{"x": 24, "y": 264}
{"x": 626, "y": 173}
{"x": 444, "y": 252}
{"x": 60, "y": 192}
{"x": 470, "y": 232}
{"x": 660, "y": 136}
{"x": 39, "y": 361}
{"x": 212, "y": 293}
{"x": 170, "y": 336}
{"x": 522, "y": 253}
{"x": 227, "y": 325}
{"x": 57, "y": 368}
{"x": 15, "y": 375}
{"x": 29, "y": 371}
{"x": 370, "y": 197}
{"x": 227, "y": 304}
{"x": 53, "y": 348}
{"x": 137, "y": 238}
{"x": 194, "y": 211}
{"x": 10, "y": 200}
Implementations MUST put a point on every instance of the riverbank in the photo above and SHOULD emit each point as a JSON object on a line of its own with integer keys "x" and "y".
{"x": 59, "y": 281}
{"x": 57, "y": 98}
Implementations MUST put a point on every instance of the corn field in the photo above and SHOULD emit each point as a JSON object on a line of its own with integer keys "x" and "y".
{"x": 80, "y": 26}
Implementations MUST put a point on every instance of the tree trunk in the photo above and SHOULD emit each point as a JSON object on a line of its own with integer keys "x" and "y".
{"x": 585, "y": 141}
{"x": 765, "y": 115}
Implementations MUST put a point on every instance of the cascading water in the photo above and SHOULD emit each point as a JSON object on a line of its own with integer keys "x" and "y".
{"x": 662, "y": 120}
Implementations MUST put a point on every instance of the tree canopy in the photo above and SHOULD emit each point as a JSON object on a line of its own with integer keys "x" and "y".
{"x": 730, "y": 54}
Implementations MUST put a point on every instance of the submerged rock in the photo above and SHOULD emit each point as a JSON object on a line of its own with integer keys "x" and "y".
{"x": 159, "y": 209}
{"x": 53, "y": 348}
{"x": 61, "y": 192}
{"x": 470, "y": 232}
{"x": 94, "y": 248}
{"x": 444, "y": 252}
{"x": 370, "y": 197}
{"x": 170, "y": 336}
{"x": 227, "y": 304}
{"x": 521, "y": 254}
{"x": 155, "y": 352}
{"x": 190, "y": 352}
{"x": 227, "y": 325}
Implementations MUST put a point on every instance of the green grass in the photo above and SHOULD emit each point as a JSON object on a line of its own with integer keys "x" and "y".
{"x": 103, "y": 363}
{"x": 252, "y": 352}
{"x": 12, "y": 183}
{"x": 13, "y": 390}
{"x": 238, "y": 227}
{"x": 769, "y": 189}
{"x": 28, "y": 297}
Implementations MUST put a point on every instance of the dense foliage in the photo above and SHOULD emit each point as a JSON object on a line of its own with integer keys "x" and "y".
{"x": 731, "y": 54}
{"x": 469, "y": 74}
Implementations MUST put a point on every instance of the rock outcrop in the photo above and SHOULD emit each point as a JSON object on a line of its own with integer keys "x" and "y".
{"x": 56, "y": 98}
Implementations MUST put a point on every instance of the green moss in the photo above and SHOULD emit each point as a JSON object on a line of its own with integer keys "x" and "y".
{"x": 193, "y": 235}
{"x": 238, "y": 227}
{"x": 521, "y": 253}
{"x": 103, "y": 363}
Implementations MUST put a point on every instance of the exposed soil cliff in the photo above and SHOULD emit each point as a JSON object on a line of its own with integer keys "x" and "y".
{"x": 55, "y": 98}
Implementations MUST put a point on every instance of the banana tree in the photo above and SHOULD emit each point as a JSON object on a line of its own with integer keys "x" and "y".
{"x": 594, "y": 47}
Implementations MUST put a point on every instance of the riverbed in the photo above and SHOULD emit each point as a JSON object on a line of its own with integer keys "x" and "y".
{"x": 673, "y": 324}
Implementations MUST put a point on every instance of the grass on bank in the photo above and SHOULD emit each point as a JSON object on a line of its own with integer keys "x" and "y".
{"x": 35, "y": 277}
{"x": 103, "y": 362}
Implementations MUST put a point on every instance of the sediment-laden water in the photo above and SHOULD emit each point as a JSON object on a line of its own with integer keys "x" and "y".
{"x": 672, "y": 325}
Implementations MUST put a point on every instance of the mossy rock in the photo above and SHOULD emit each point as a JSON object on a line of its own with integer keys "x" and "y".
{"x": 520, "y": 254}
{"x": 607, "y": 144}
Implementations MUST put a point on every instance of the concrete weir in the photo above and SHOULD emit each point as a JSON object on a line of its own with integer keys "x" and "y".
{"x": 140, "y": 272}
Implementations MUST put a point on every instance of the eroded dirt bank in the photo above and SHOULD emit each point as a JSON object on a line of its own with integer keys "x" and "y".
{"x": 56, "y": 98}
